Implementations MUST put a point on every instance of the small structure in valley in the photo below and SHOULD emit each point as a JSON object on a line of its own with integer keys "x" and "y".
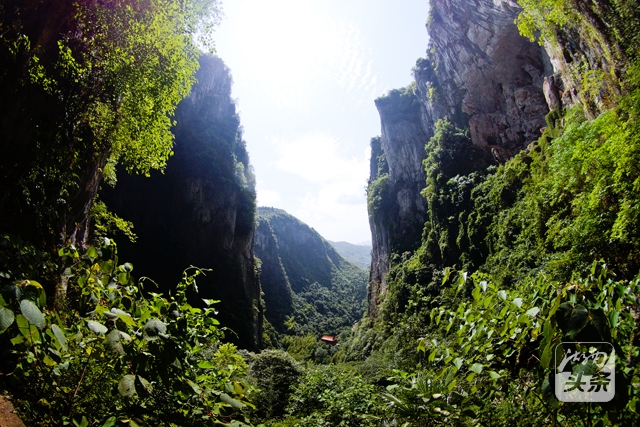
{"x": 329, "y": 339}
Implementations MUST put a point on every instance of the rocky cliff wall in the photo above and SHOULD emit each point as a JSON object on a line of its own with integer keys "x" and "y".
{"x": 481, "y": 75}
{"x": 201, "y": 211}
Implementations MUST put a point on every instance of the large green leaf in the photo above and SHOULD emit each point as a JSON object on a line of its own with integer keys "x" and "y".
{"x": 533, "y": 312}
{"x": 32, "y": 313}
{"x": 96, "y": 327}
{"x": 6, "y": 318}
{"x": 224, "y": 397}
{"x": 476, "y": 367}
{"x": 124, "y": 316}
{"x": 110, "y": 422}
{"x": 82, "y": 423}
{"x": 28, "y": 330}
{"x": 57, "y": 332}
{"x": 114, "y": 342}
{"x": 205, "y": 364}
{"x": 154, "y": 328}
{"x": 92, "y": 252}
{"x": 458, "y": 363}
{"x": 572, "y": 318}
{"x": 126, "y": 386}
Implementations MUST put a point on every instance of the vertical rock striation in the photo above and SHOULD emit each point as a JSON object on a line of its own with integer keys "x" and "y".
{"x": 201, "y": 211}
{"x": 481, "y": 75}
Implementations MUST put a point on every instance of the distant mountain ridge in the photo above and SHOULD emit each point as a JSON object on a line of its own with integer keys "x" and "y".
{"x": 360, "y": 255}
{"x": 308, "y": 286}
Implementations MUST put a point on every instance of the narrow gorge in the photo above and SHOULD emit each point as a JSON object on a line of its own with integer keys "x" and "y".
{"x": 141, "y": 284}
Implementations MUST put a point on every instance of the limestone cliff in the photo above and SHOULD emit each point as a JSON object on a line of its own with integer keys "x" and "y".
{"x": 481, "y": 75}
{"x": 201, "y": 210}
{"x": 306, "y": 283}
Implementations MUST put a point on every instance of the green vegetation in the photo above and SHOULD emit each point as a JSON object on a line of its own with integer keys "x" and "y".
{"x": 275, "y": 373}
{"x": 116, "y": 354}
{"x": 85, "y": 86}
{"x": 399, "y": 104}
{"x": 334, "y": 395}
{"x": 534, "y": 231}
{"x": 512, "y": 260}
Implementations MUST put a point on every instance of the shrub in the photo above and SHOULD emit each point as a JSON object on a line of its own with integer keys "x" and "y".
{"x": 275, "y": 373}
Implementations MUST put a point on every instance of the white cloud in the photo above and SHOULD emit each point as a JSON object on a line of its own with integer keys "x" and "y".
{"x": 267, "y": 197}
{"x": 317, "y": 157}
{"x": 334, "y": 200}
{"x": 338, "y": 211}
{"x": 298, "y": 49}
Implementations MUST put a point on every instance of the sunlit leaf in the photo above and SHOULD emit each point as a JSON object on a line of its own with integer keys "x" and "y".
{"x": 205, "y": 364}
{"x": 533, "y": 312}
{"x": 96, "y": 327}
{"x": 126, "y": 386}
{"x": 476, "y": 367}
{"x": 59, "y": 334}
{"x": 32, "y": 313}
{"x": 110, "y": 422}
{"x": 6, "y": 318}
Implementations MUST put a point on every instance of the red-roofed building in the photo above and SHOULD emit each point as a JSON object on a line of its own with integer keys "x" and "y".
{"x": 329, "y": 339}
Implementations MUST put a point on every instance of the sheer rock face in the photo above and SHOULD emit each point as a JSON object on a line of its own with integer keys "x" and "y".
{"x": 201, "y": 211}
{"x": 481, "y": 75}
{"x": 488, "y": 72}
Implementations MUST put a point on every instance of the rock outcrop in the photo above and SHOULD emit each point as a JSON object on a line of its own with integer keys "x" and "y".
{"x": 201, "y": 211}
{"x": 481, "y": 75}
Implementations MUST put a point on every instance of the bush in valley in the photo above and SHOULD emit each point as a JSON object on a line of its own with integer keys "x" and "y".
{"x": 274, "y": 373}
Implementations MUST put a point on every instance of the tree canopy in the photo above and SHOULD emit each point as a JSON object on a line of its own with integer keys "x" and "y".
{"x": 84, "y": 86}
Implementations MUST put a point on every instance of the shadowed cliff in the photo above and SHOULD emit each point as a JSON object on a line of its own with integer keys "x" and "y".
{"x": 201, "y": 210}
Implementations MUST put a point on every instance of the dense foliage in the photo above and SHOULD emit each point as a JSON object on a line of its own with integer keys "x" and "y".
{"x": 512, "y": 260}
{"x": 534, "y": 230}
{"x": 85, "y": 85}
{"x": 116, "y": 354}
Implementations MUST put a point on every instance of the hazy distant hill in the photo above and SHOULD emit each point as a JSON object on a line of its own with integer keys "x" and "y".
{"x": 360, "y": 255}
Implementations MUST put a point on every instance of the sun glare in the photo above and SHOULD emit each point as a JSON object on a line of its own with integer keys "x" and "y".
{"x": 299, "y": 48}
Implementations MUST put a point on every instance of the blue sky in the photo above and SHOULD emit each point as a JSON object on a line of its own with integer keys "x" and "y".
{"x": 305, "y": 75}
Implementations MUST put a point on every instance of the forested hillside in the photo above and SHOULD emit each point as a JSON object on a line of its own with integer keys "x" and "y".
{"x": 528, "y": 240}
{"x": 309, "y": 289}
{"x": 86, "y": 89}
